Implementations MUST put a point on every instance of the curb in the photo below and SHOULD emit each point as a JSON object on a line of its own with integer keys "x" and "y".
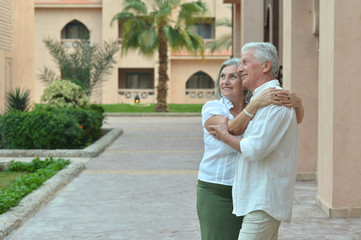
{"x": 30, "y": 204}
{"x": 92, "y": 151}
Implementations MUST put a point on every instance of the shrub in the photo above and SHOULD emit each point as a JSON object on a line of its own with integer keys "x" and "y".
{"x": 40, "y": 129}
{"x": 50, "y": 128}
{"x": 89, "y": 120}
{"x": 18, "y": 100}
{"x": 64, "y": 93}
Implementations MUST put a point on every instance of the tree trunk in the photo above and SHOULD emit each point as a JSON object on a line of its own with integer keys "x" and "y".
{"x": 162, "y": 87}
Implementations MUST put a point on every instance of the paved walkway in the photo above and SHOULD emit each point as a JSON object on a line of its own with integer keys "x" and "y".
{"x": 143, "y": 187}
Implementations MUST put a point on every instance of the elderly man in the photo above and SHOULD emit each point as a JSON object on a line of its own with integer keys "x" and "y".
{"x": 266, "y": 169}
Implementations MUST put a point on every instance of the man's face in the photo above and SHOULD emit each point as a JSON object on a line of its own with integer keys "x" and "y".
{"x": 250, "y": 70}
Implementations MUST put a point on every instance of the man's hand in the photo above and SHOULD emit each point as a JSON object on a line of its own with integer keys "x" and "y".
{"x": 220, "y": 131}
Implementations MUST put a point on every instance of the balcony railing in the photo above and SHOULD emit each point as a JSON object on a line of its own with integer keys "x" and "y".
{"x": 199, "y": 95}
{"x": 129, "y": 95}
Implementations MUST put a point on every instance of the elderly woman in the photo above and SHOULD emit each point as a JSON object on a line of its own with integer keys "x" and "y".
{"x": 217, "y": 168}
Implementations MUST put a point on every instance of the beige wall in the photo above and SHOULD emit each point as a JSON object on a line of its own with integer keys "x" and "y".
{"x": 252, "y": 21}
{"x": 16, "y": 47}
{"x": 300, "y": 74}
{"x": 5, "y": 49}
{"x": 339, "y": 128}
{"x": 182, "y": 70}
{"x": 22, "y": 73}
{"x": 5, "y": 76}
{"x": 49, "y": 22}
{"x": 109, "y": 9}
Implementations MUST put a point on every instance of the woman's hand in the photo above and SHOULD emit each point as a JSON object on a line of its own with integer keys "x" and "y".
{"x": 290, "y": 99}
{"x": 277, "y": 97}
{"x": 269, "y": 96}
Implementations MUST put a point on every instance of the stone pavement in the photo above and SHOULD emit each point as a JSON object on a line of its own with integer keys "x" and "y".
{"x": 144, "y": 187}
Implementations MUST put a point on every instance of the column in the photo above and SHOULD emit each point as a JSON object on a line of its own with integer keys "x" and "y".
{"x": 339, "y": 126}
{"x": 300, "y": 74}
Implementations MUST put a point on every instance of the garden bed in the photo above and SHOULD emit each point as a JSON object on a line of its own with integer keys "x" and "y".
{"x": 30, "y": 204}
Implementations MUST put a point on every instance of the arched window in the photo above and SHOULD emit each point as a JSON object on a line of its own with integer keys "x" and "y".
{"x": 200, "y": 80}
{"x": 75, "y": 30}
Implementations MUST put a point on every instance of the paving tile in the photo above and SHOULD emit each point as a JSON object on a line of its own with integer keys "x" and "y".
{"x": 144, "y": 187}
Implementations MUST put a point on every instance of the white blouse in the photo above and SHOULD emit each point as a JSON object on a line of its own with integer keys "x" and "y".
{"x": 219, "y": 159}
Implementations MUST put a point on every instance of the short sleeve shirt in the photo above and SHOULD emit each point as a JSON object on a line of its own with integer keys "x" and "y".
{"x": 219, "y": 159}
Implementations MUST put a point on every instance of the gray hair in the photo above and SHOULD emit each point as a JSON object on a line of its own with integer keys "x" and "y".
{"x": 229, "y": 62}
{"x": 264, "y": 51}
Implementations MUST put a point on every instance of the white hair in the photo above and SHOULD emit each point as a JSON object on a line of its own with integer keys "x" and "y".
{"x": 263, "y": 52}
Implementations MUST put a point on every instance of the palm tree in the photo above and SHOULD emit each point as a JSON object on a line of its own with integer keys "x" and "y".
{"x": 86, "y": 64}
{"x": 156, "y": 30}
{"x": 223, "y": 42}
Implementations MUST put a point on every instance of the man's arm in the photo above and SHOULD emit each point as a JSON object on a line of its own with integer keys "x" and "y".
{"x": 267, "y": 131}
{"x": 221, "y": 132}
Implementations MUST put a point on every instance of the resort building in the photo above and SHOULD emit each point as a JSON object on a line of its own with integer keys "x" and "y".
{"x": 191, "y": 78}
{"x": 319, "y": 48}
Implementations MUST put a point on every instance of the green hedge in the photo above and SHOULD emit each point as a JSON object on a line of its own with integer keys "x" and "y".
{"x": 50, "y": 128}
{"x": 39, "y": 172}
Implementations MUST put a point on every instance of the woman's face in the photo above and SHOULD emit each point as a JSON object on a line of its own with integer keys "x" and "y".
{"x": 230, "y": 83}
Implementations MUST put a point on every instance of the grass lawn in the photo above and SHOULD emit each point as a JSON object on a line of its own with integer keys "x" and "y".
{"x": 7, "y": 178}
{"x": 144, "y": 108}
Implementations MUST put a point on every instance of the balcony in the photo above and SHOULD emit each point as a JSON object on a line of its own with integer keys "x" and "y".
{"x": 126, "y": 95}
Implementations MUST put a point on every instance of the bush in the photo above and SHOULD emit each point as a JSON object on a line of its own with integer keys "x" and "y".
{"x": 42, "y": 171}
{"x": 50, "y": 128}
{"x": 89, "y": 120}
{"x": 64, "y": 93}
{"x": 40, "y": 129}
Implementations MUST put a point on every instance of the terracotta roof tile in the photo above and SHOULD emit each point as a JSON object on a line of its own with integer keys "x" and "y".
{"x": 185, "y": 53}
{"x": 65, "y": 2}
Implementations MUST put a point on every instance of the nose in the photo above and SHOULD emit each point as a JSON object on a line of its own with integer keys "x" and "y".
{"x": 240, "y": 68}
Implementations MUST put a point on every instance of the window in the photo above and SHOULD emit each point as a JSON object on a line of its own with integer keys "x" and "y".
{"x": 75, "y": 30}
{"x": 200, "y": 80}
{"x": 204, "y": 28}
{"x": 138, "y": 80}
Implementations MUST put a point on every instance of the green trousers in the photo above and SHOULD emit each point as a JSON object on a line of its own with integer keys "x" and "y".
{"x": 214, "y": 208}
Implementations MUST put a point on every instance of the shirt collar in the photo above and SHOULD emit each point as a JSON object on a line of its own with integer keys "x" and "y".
{"x": 227, "y": 103}
{"x": 272, "y": 83}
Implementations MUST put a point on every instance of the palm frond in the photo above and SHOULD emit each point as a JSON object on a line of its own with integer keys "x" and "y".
{"x": 132, "y": 29}
{"x": 137, "y": 6}
{"x": 48, "y": 76}
{"x": 174, "y": 37}
{"x": 58, "y": 53}
{"x": 224, "y": 42}
{"x": 224, "y": 22}
{"x": 190, "y": 10}
{"x": 18, "y": 100}
{"x": 148, "y": 42}
{"x": 102, "y": 64}
{"x": 122, "y": 17}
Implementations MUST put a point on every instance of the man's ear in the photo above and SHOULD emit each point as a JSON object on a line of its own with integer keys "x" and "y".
{"x": 267, "y": 66}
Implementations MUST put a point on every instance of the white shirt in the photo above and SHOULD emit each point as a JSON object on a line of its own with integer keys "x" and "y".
{"x": 267, "y": 165}
{"x": 219, "y": 159}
